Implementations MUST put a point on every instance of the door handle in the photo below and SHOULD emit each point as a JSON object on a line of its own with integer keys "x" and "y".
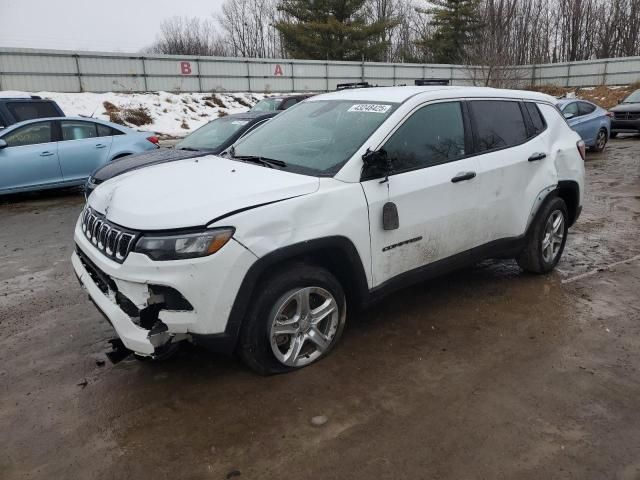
{"x": 46, "y": 154}
{"x": 462, "y": 176}
{"x": 537, "y": 156}
{"x": 100, "y": 145}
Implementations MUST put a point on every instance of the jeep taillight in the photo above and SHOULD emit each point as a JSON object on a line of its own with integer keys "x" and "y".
{"x": 582, "y": 148}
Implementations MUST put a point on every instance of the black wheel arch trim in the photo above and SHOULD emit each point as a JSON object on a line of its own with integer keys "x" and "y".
{"x": 356, "y": 288}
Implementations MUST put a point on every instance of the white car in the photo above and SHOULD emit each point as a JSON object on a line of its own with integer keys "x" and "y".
{"x": 338, "y": 200}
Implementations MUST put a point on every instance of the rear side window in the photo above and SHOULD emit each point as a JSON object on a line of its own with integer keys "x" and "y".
{"x": 570, "y": 109}
{"x": 78, "y": 130}
{"x": 290, "y": 102}
{"x": 105, "y": 131}
{"x": 431, "y": 136}
{"x": 31, "y": 134}
{"x": 30, "y": 110}
{"x": 498, "y": 124}
{"x": 585, "y": 108}
{"x": 537, "y": 120}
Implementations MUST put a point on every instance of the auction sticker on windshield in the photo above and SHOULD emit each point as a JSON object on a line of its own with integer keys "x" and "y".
{"x": 370, "y": 108}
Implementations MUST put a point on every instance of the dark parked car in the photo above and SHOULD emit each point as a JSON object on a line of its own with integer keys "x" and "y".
{"x": 626, "y": 116}
{"x": 19, "y": 109}
{"x": 273, "y": 104}
{"x": 212, "y": 138}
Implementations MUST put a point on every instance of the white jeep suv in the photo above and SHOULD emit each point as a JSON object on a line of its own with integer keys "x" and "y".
{"x": 329, "y": 205}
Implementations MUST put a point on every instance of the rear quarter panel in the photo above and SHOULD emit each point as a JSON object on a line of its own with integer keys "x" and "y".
{"x": 567, "y": 162}
{"x": 130, "y": 143}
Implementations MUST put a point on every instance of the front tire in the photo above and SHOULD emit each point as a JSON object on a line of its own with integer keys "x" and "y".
{"x": 546, "y": 239}
{"x": 297, "y": 318}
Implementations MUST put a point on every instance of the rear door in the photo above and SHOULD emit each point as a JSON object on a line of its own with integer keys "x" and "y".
{"x": 30, "y": 158}
{"x": 513, "y": 145}
{"x": 433, "y": 187}
{"x": 81, "y": 149}
{"x": 589, "y": 122}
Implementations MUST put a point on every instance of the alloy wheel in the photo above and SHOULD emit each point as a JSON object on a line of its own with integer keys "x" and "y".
{"x": 553, "y": 236}
{"x": 304, "y": 325}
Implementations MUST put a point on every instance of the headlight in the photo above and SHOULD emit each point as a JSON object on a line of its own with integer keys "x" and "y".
{"x": 185, "y": 245}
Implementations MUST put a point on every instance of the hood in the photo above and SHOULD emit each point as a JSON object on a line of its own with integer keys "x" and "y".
{"x": 626, "y": 107}
{"x": 131, "y": 162}
{"x": 193, "y": 192}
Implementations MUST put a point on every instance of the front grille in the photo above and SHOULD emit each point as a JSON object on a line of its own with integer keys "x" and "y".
{"x": 112, "y": 240}
{"x": 627, "y": 115}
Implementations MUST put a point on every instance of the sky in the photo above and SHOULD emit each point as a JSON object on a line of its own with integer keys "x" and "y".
{"x": 112, "y": 25}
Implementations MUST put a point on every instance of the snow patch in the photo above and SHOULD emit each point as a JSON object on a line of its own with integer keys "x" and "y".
{"x": 173, "y": 114}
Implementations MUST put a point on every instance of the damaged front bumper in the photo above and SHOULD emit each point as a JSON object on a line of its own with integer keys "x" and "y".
{"x": 143, "y": 341}
{"x": 152, "y": 304}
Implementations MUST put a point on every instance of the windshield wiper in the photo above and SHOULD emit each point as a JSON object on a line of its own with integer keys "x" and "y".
{"x": 267, "y": 162}
{"x": 189, "y": 149}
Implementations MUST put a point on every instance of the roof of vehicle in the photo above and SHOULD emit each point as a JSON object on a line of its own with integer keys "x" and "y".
{"x": 252, "y": 115}
{"x": 44, "y": 119}
{"x": 295, "y": 95}
{"x": 401, "y": 94}
{"x": 564, "y": 101}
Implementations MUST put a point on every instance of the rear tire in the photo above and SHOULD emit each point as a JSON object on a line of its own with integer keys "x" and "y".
{"x": 297, "y": 317}
{"x": 547, "y": 237}
{"x": 601, "y": 140}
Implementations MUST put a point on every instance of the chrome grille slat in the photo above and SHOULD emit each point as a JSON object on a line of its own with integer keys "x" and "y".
{"x": 111, "y": 240}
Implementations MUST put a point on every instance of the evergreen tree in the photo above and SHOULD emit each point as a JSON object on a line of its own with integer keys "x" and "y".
{"x": 454, "y": 22}
{"x": 331, "y": 29}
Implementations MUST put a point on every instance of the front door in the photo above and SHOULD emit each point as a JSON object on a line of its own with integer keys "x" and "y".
{"x": 434, "y": 189}
{"x": 81, "y": 150}
{"x": 30, "y": 158}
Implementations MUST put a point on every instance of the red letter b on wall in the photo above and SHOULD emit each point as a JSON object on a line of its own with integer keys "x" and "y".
{"x": 185, "y": 68}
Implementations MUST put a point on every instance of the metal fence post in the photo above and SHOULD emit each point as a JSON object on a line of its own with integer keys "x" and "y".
{"x": 144, "y": 75}
{"x": 248, "y": 75}
{"x": 326, "y": 73}
{"x": 293, "y": 80}
{"x": 451, "y": 75}
{"x": 362, "y": 70}
{"x": 604, "y": 74}
{"x": 568, "y": 74}
{"x": 199, "y": 75}
{"x": 78, "y": 74}
{"x": 394, "y": 74}
{"x": 533, "y": 75}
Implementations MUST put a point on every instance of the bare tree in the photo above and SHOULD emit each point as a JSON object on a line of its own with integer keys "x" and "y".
{"x": 188, "y": 36}
{"x": 249, "y": 28}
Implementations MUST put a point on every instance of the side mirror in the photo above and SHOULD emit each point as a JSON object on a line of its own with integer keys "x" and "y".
{"x": 375, "y": 158}
{"x": 620, "y": 100}
{"x": 3, "y": 144}
{"x": 568, "y": 115}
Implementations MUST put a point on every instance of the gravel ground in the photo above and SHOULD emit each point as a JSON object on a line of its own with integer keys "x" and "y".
{"x": 487, "y": 373}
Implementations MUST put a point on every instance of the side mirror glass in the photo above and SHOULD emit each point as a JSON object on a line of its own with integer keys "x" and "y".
{"x": 375, "y": 158}
{"x": 3, "y": 143}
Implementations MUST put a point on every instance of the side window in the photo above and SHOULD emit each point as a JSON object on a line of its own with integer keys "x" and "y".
{"x": 585, "y": 108}
{"x": 432, "y": 135}
{"x": 105, "y": 131}
{"x": 30, "y": 110}
{"x": 571, "y": 109}
{"x": 288, "y": 103}
{"x": 32, "y": 134}
{"x": 537, "y": 120}
{"x": 78, "y": 130}
{"x": 498, "y": 124}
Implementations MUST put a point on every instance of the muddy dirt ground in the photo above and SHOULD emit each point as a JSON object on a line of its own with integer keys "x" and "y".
{"x": 487, "y": 373}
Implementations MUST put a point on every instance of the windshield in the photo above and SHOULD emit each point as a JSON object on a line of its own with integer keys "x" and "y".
{"x": 213, "y": 134}
{"x": 317, "y": 137}
{"x": 266, "y": 105}
{"x": 633, "y": 98}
